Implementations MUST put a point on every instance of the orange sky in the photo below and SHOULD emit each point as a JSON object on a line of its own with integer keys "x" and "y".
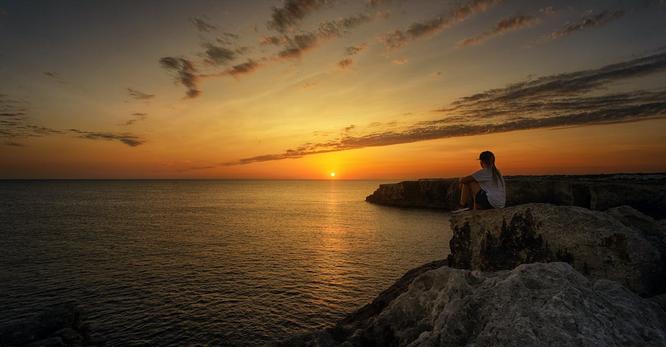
{"x": 369, "y": 90}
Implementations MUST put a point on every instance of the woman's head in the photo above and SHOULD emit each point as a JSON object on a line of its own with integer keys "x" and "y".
{"x": 487, "y": 159}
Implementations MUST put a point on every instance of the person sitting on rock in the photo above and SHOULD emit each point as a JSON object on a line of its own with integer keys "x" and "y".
{"x": 484, "y": 189}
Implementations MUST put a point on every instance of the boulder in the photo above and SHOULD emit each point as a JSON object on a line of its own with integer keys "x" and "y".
{"x": 540, "y": 304}
{"x": 57, "y": 325}
{"x": 644, "y": 192}
{"x": 622, "y": 244}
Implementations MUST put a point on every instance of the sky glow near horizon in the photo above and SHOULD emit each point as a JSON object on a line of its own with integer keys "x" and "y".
{"x": 379, "y": 89}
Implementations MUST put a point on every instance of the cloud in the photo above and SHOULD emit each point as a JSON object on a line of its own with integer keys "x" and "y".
{"x": 345, "y": 63}
{"x": 217, "y": 55}
{"x": 292, "y": 12}
{"x": 186, "y": 74}
{"x": 245, "y": 68}
{"x": 139, "y": 95}
{"x": 503, "y": 26}
{"x": 598, "y": 19}
{"x": 15, "y": 124}
{"x": 400, "y": 61}
{"x": 202, "y": 25}
{"x": 399, "y": 38}
{"x": 54, "y": 76}
{"x": 570, "y": 99}
{"x": 296, "y": 45}
{"x": 272, "y": 40}
{"x": 128, "y": 139}
{"x": 137, "y": 116}
{"x": 353, "y": 50}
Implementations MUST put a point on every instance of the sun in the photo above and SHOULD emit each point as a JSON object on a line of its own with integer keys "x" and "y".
{"x": 332, "y": 174}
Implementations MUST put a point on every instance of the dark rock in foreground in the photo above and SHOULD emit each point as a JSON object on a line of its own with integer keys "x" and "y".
{"x": 540, "y": 304}
{"x": 59, "y": 325}
{"x": 644, "y": 192}
{"x": 622, "y": 244}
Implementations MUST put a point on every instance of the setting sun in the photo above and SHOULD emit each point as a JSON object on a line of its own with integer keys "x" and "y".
{"x": 332, "y": 174}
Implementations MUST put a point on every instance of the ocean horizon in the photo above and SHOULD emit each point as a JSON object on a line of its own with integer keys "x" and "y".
{"x": 206, "y": 261}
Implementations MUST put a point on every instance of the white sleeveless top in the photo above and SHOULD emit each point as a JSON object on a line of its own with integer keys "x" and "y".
{"x": 496, "y": 192}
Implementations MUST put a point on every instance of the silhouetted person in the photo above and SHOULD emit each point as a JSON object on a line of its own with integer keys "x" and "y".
{"x": 484, "y": 189}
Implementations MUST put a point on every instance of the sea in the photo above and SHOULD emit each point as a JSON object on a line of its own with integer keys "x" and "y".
{"x": 205, "y": 262}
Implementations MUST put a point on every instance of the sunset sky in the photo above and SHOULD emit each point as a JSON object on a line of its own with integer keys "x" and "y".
{"x": 374, "y": 89}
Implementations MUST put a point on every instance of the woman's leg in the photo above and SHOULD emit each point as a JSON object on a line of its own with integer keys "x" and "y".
{"x": 474, "y": 188}
{"x": 465, "y": 194}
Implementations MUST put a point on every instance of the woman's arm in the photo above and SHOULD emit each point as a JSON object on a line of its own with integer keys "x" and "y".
{"x": 467, "y": 179}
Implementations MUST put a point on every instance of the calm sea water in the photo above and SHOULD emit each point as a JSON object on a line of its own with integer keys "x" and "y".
{"x": 205, "y": 262}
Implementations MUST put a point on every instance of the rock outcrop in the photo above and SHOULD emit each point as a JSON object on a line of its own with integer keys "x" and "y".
{"x": 59, "y": 325}
{"x": 540, "y": 304}
{"x": 622, "y": 244}
{"x": 644, "y": 192}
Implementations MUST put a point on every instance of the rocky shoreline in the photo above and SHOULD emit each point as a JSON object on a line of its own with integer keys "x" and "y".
{"x": 644, "y": 192}
{"x": 58, "y": 325}
{"x": 572, "y": 261}
{"x": 582, "y": 264}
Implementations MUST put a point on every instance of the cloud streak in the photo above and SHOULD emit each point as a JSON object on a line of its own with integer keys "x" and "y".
{"x": 292, "y": 12}
{"x": 502, "y": 27}
{"x": 561, "y": 100}
{"x": 186, "y": 74}
{"x": 587, "y": 22}
{"x": 399, "y": 38}
{"x": 126, "y": 138}
{"x": 139, "y": 95}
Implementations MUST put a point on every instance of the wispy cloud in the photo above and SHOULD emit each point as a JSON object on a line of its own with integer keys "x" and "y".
{"x": 503, "y": 26}
{"x": 586, "y": 22}
{"x": 54, "y": 76}
{"x": 186, "y": 74}
{"x": 570, "y": 99}
{"x": 399, "y": 38}
{"x": 218, "y": 55}
{"x": 15, "y": 125}
{"x": 139, "y": 95}
{"x": 136, "y": 117}
{"x": 202, "y": 25}
{"x": 292, "y": 12}
{"x": 126, "y": 138}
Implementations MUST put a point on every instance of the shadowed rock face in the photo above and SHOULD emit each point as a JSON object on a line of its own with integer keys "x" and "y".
{"x": 622, "y": 244}
{"x": 644, "y": 192}
{"x": 540, "y": 304}
{"x": 59, "y": 325}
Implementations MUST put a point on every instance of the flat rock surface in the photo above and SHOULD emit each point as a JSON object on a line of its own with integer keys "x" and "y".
{"x": 540, "y": 304}
{"x": 621, "y": 244}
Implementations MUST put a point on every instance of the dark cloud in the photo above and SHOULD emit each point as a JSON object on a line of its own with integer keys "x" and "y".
{"x": 598, "y": 19}
{"x": 15, "y": 124}
{"x": 503, "y": 26}
{"x": 399, "y": 38}
{"x": 244, "y": 68}
{"x": 345, "y": 63}
{"x": 186, "y": 73}
{"x": 128, "y": 139}
{"x": 139, "y": 95}
{"x": 353, "y": 50}
{"x": 287, "y": 16}
{"x": 272, "y": 40}
{"x": 202, "y": 25}
{"x": 54, "y": 76}
{"x": 136, "y": 117}
{"x": 296, "y": 45}
{"x": 217, "y": 55}
{"x": 571, "y": 99}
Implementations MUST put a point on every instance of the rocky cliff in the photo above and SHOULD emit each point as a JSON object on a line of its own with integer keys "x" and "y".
{"x": 620, "y": 244}
{"x": 540, "y": 304}
{"x": 644, "y": 192}
{"x": 59, "y": 325}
